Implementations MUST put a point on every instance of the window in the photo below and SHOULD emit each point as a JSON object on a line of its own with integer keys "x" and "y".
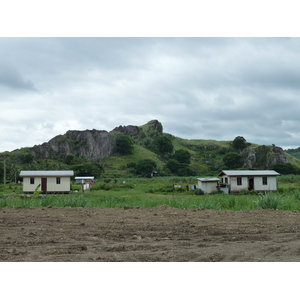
{"x": 239, "y": 181}
{"x": 226, "y": 180}
{"x": 31, "y": 180}
{"x": 265, "y": 180}
{"x": 57, "y": 180}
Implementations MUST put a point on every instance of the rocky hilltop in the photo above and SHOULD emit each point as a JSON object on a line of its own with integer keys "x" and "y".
{"x": 97, "y": 145}
{"x": 264, "y": 157}
{"x": 94, "y": 144}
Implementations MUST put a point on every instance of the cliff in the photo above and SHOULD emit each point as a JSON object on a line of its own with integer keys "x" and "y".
{"x": 94, "y": 144}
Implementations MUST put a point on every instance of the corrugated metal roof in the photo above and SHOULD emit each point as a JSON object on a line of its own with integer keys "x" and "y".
{"x": 208, "y": 179}
{"x": 84, "y": 177}
{"x": 249, "y": 173}
{"x": 46, "y": 173}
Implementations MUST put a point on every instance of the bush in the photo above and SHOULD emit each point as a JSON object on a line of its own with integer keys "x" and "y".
{"x": 124, "y": 144}
{"x": 269, "y": 201}
{"x": 199, "y": 192}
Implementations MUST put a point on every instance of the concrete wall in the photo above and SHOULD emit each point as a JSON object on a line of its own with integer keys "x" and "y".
{"x": 52, "y": 186}
{"x": 271, "y": 184}
{"x": 234, "y": 187}
{"x": 207, "y": 186}
{"x": 258, "y": 183}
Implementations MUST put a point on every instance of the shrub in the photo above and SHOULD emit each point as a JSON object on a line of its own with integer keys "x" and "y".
{"x": 199, "y": 192}
{"x": 269, "y": 201}
{"x": 217, "y": 192}
{"x": 124, "y": 144}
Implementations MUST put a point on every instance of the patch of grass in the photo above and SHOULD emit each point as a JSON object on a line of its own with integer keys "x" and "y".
{"x": 270, "y": 201}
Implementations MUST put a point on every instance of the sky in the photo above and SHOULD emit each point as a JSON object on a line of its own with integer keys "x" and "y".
{"x": 204, "y": 73}
{"x": 198, "y": 88}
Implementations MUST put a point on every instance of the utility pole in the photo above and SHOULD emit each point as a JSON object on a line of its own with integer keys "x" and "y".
{"x": 4, "y": 173}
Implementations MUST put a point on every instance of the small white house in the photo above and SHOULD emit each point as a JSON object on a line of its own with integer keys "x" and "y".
{"x": 208, "y": 185}
{"x": 47, "y": 181}
{"x": 260, "y": 181}
{"x": 83, "y": 179}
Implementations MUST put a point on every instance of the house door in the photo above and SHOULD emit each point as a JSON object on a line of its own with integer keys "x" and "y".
{"x": 44, "y": 185}
{"x": 251, "y": 184}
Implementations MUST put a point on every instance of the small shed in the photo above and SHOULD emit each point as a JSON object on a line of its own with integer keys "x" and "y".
{"x": 84, "y": 179}
{"x": 208, "y": 185}
{"x": 47, "y": 181}
{"x": 260, "y": 180}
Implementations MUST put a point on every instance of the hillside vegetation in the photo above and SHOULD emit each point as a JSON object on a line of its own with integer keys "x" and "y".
{"x": 143, "y": 151}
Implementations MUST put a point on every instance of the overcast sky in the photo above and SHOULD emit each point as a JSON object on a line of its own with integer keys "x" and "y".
{"x": 198, "y": 88}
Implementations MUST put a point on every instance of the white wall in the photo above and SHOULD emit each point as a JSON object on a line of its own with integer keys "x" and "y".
{"x": 27, "y": 187}
{"x": 271, "y": 184}
{"x": 207, "y": 186}
{"x": 258, "y": 183}
{"x": 235, "y": 187}
{"x": 64, "y": 185}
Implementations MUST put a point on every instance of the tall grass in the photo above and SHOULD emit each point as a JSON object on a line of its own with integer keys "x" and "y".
{"x": 270, "y": 201}
{"x": 158, "y": 191}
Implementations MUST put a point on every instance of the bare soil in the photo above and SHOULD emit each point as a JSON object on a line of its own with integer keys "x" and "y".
{"x": 148, "y": 235}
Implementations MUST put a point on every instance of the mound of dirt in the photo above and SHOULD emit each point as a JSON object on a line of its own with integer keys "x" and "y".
{"x": 148, "y": 235}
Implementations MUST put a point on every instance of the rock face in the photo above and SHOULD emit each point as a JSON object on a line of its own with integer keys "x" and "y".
{"x": 263, "y": 157}
{"x": 92, "y": 144}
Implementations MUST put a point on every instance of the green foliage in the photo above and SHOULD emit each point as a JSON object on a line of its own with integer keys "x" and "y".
{"x": 199, "y": 192}
{"x": 173, "y": 165}
{"x": 286, "y": 168}
{"x": 111, "y": 186}
{"x": 162, "y": 145}
{"x": 124, "y": 144}
{"x": 269, "y": 201}
{"x": 294, "y": 152}
{"x": 70, "y": 159}
{"x": 145, "y": 167}
{"x": 88, "y": 169}
{"x": 183, "y": 156}
{"x": 239, "y": 143}
{"x": 233, "y": 160}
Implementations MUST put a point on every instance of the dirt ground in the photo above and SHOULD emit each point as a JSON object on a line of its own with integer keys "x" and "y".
{"x": 162, "y": 233}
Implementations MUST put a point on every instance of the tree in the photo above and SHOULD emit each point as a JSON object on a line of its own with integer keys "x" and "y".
{"x": 183, "y": 156}
{"x": 88, "y": 169}
{"x": 70, "y": 158}
{"x": 233, "y": 160}
{"x": 239, "y": 143}
{"x": 145, "y": 167}
{"x": 173, "y": 165}
{"x": 124, "y": 144}
{"x": 162, "y": 145}
{"x": 285, "y": 168}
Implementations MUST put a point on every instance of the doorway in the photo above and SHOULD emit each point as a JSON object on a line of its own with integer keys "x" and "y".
{"x": 251, "y": 184}
{"x": 44, "y": 185}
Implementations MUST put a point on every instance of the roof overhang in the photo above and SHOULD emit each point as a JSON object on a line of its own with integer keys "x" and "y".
{"x": 208, "y": 179}
{"x": 46, "y": 173}
{"x": 242, "y": 173}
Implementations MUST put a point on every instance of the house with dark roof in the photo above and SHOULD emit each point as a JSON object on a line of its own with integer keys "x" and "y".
{"x": 260, "y": 181}
{"x": 47, "y": 181}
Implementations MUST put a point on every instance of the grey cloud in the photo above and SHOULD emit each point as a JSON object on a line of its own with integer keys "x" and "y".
{"x": 11, "y": 78}
{"x": 209, "y": 88}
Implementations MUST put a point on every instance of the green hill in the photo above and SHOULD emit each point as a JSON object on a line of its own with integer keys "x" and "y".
{"x": 94, "y": 152}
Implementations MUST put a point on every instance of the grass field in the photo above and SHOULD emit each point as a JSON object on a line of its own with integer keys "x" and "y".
{"x": 155, "y": 192}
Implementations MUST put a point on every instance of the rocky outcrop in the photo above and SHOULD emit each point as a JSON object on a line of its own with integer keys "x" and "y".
{"x": 93, "y": 144}
{"x": 263, "y": 157}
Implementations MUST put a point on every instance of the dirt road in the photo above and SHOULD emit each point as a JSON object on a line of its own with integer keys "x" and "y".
{"x": 148, "y": 234}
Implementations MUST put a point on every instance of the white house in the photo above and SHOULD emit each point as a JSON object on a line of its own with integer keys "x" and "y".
{"x": 47, "y": 181}
{"x": 208, "y": 185}
{"x": 260, "y": 181}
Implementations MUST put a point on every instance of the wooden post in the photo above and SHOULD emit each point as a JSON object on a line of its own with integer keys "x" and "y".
{"x": 4, "y": 171}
